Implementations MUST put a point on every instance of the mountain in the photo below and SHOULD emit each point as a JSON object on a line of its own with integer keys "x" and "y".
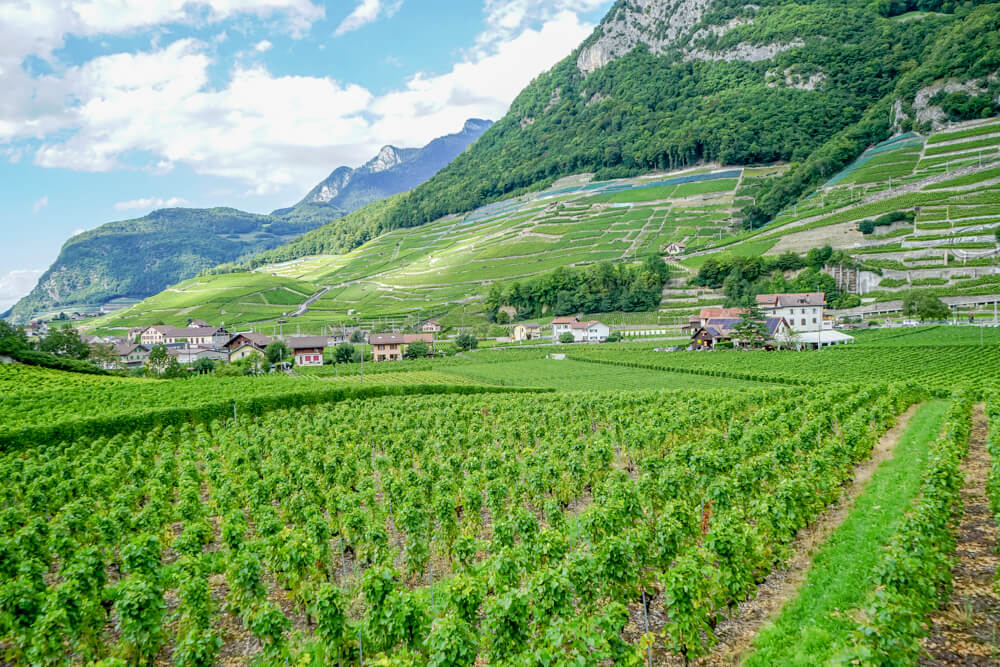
{"x": 392, "y": 171}
{"x": 138, "y": 258}
{"x": 663, "y": 84}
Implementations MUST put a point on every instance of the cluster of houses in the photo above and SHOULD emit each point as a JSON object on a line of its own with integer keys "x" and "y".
{"x": 200, "y": 340}
{"x": 791, "y": 320}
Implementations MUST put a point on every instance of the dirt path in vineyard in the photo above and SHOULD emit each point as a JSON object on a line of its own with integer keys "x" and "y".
{"x": 736, "y": 633}
{"x": 967, "y": 630}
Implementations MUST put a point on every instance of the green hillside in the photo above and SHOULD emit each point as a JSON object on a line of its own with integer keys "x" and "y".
{"x": 447, "y": 266}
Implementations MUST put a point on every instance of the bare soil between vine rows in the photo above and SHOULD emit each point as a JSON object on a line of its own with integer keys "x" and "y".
{"x": 736, "y": 632}
{"x": 967, "y": 630}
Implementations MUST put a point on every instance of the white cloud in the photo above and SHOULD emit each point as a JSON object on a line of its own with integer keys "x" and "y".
{"x": 367, "y": 11}
{"x": 270, "y": 133}
{"x": 263, "y": 46}
{"x": 149, "y": 203}
{"x": 507, "y": 18}
{"x": 41, "y": 203}
{"x": 16, "y": 284}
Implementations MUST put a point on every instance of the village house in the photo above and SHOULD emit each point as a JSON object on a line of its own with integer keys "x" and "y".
{"x": 307, "y": 350}
{"x": 131, "y": 355}
{"x": 589, "y": 332}
{"x": 164, "y": 334}
{"x": 561, "y": 325}
{"x": 154, "y": 335}
{"x": 242, "y": 345}
{"x": 723, "y": 330}
{"x": 392, "y": 347}
{"x": 431, "y": 326}
{"x": 803, "y": 311}
{"x": 527, "y": 331}
{"x": 697, "y": 321}
{"x": 213, "y": 336}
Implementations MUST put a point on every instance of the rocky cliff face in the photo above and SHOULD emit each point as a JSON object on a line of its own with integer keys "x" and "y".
{"x": 679, "y": 26}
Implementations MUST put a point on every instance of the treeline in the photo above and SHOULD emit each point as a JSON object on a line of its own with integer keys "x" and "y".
{"x": 741, "y": 279}
{"x": 593, "y": 289}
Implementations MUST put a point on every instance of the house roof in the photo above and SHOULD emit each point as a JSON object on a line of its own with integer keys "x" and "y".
{"x": 583, "y": 325}
{"x": 125, "y": 349}
{"x": 434, "y": 322}
{"x": 773, "y": 323}
{"x": 259, "y": 340}
{"x": 200, "y": 323}
{"x": 793, "y": 299}
{"x": 825, "y": 337}
{"x": 568, "y": 319}
{"x": 386, "y": 339}
{"x": 710, "y": 313}
{"x": 304, "y": 342}
{"x": 413, "y": 338}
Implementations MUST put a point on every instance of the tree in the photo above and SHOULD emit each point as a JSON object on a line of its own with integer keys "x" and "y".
{"x": 417, "y": 350}
{"x": 12, "y": 339}
{"x": 930, "y": 307}
{"x": 156, "y": 363}
{"x": 503, "y": 317}
{"x": 174, "y": 369}
{"x": 65, "y": 342}
{"x": 566, "y": 337}
{"x": 752, "y": 330}
{"x": 105, "y": 355}
{"x": 277, "y": 352}
{"x": 466, "y": 341}
{"x": 357, "y": 336}
{"x": 343, "y": 353}
{"x": 203, "y": 366}
{"x": 997, "y": 234}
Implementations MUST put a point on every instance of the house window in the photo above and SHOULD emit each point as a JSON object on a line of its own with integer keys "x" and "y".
{"x": 803, "y": 321}
{"x": 814, "y": 320}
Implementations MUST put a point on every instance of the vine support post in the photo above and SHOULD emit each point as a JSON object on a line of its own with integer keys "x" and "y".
{"x": 343, "y": 562}
{"x": 361, "y": 652}
{"x": 234, "y": 413}
{"x": 645, "y": 620}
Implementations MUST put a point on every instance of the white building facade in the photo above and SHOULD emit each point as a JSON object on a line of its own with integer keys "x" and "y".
{"x": 803, "y": 311}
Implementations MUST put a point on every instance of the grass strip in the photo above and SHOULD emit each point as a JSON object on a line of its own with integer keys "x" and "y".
{"x": 813, "y": 626}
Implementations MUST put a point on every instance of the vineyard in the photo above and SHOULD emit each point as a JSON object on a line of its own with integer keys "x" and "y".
{"x": 434, "y": 530}
{"x": 938, "y": 367}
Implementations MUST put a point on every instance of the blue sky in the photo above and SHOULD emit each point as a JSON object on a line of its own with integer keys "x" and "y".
{"x": 113, "y": 108}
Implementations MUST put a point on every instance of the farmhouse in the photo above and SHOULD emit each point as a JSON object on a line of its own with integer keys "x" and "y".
{"x": 131, "y": 354}
{"x": 307, "y": 350}
{"x": 527, "y": 331}
{"x": 561, "y": 325}
{"x": 213, "y": 336}
{"x": 803, "y": 311}
{"x": 706, "y": 314}
{"x": 243, "y": 345}
{"x": 164, "y": 334}
{"x": 589, "y": 332}
{"x": 431, "y": 326}
{"x": 723, "y": 330}
{"x": 392, "y": 347}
